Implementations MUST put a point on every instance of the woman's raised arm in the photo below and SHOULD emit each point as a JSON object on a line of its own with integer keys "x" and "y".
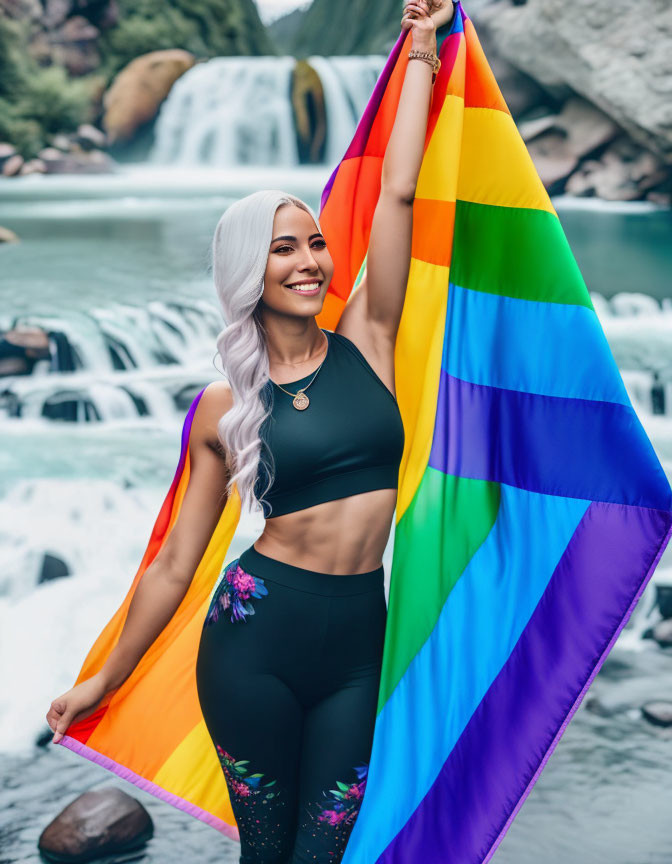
{"x": 166, "y": 581}
{"x": 372, "y": 314}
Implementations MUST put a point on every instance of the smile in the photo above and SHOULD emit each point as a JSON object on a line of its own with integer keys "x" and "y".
{"x": 309, "y": 288}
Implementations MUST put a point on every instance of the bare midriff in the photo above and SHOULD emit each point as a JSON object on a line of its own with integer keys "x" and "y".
{"x": 346, "y": 535}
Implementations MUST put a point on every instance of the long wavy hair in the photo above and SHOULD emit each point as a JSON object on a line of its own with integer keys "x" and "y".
{"x": 240, "y": 250}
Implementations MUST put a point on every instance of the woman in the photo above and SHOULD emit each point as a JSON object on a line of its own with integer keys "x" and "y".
{"x": 308, "y": 426}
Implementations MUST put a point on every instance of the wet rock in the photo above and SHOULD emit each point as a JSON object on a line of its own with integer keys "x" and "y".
{"x": 50, "y": 153}
{"x": 45, "y": 737}
{"x": 138, "y": 90}
{"x": 6, "y": 150}
{"x": 61, "y": 142}
{"x": 12, "y": 165}
{"x": 658, "y": 713}
{"x": 77, "y": 161}
{"x": 53, "y": 567}
{"x": 33, "y": 166}
{"x": 664, "y": 600}
{"x": 662, "y": 633}
{"x": 595, "y": 706}
{"x": 623, "y": 173}
{"x": 100, "y": 822}
{"x": 89, "y": 137}
{"x": 7, "y": 235}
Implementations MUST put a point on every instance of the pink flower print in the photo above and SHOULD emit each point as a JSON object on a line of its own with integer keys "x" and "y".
{"x": 332, "y": 817}
{"x": 239, "y": 781}
{"x": 355, "y": 791}
{"x": 241, "y": 788}
{"x": 243, "y": 583}
{"x": 345, "y": 801}
{"x": 233, "y": 592}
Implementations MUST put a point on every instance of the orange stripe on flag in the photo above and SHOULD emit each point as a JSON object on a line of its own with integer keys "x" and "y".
{"x": 433, "y": 224}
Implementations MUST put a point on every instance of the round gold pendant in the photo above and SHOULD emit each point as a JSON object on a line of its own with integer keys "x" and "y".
{"x": 301, "y": 401}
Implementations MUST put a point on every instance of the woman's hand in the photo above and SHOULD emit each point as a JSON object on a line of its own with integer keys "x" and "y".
{"x": 442, "y": 12}
{"x": 417, "y": 18}
{"x": 76, "y": 704}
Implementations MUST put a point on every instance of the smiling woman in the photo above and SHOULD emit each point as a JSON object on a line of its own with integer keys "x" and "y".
{"x": 306, "y": 425}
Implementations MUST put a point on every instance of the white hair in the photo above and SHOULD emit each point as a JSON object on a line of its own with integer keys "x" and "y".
{"x": 240, "y": 250}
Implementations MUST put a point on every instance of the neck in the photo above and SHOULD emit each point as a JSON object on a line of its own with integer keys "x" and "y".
{"x": 291, "y": 342}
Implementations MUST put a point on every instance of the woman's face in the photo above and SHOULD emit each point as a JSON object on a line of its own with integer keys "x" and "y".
{"x": 298, "y": 254}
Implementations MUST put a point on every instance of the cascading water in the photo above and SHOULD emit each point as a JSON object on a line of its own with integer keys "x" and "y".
{"x": 238, "y": 110}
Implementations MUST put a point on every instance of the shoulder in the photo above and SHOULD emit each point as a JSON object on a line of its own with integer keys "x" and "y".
{"x": 216, "y": 400}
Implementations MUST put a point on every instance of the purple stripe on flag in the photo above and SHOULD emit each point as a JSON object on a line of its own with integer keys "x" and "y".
{"x": 510, "y": 736}
{"x": 577, "y": 448}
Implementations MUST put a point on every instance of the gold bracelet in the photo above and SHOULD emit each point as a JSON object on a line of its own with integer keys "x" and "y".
{"x": 428, "y": 57}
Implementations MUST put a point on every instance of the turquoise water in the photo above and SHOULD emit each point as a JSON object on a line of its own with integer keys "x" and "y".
{"x": 123, "y": 242}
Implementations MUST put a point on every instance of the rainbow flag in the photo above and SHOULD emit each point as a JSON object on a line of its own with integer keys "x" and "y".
{"x": 532, "y": 508}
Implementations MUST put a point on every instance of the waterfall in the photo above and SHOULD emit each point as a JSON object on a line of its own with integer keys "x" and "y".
{"x": 347, "y": 83}
{"x": 130, "y": 362}
{"x": 232, "y": 111}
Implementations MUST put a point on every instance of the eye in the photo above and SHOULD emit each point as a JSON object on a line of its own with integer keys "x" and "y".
{"x": 322, "y": 244}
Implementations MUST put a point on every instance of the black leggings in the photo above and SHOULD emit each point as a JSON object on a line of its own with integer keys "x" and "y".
{"x": 288, "y": 673}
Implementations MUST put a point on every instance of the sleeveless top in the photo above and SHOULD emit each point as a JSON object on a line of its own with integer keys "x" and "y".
{"x": 349, "y": 439}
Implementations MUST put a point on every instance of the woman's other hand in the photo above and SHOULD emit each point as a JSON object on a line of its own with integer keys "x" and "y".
{"x": 76, "y": 704}
{"x": 417, "y": 18}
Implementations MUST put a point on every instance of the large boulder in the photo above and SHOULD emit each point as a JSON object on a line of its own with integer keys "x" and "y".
{"x": 615, "y": 53}
{"x": 624, "y": 172}
{"x": 100, "y": 822}
{"x": 310, "y": 112}
{"x": 138, "y": 90}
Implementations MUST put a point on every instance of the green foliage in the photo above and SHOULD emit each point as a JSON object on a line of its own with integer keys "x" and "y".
{"x": 207, "y": 28}
{"x": 36, "y": 102}
{"x": 58, "y": 103}
{"x": 25, "y": 134}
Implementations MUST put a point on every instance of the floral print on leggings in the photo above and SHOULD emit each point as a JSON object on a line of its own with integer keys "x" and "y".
{"x": 239, "y": 781}
{"x": 233, "y": 591}
{"x": 343, "y": 803}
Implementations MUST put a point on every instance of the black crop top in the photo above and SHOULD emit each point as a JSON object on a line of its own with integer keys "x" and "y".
{"x": 349, "y": 440}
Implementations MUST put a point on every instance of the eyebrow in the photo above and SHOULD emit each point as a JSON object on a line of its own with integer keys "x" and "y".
{"x": 291, "y": 237}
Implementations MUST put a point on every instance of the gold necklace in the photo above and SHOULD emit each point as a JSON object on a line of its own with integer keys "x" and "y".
{"x": 301, "y": 400}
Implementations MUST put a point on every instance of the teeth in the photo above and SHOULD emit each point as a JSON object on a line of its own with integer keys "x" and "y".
{"x": 310, "y": 287}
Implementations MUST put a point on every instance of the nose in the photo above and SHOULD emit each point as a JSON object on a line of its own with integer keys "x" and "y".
{"x": 308, "y": 262}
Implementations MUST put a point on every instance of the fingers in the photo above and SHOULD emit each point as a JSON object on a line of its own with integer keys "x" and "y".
{"x": 415, "y": 10}
{"x": 62, "y": 726}
{"x": 419, "y": 9}
{"x": 58, "y": 719}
